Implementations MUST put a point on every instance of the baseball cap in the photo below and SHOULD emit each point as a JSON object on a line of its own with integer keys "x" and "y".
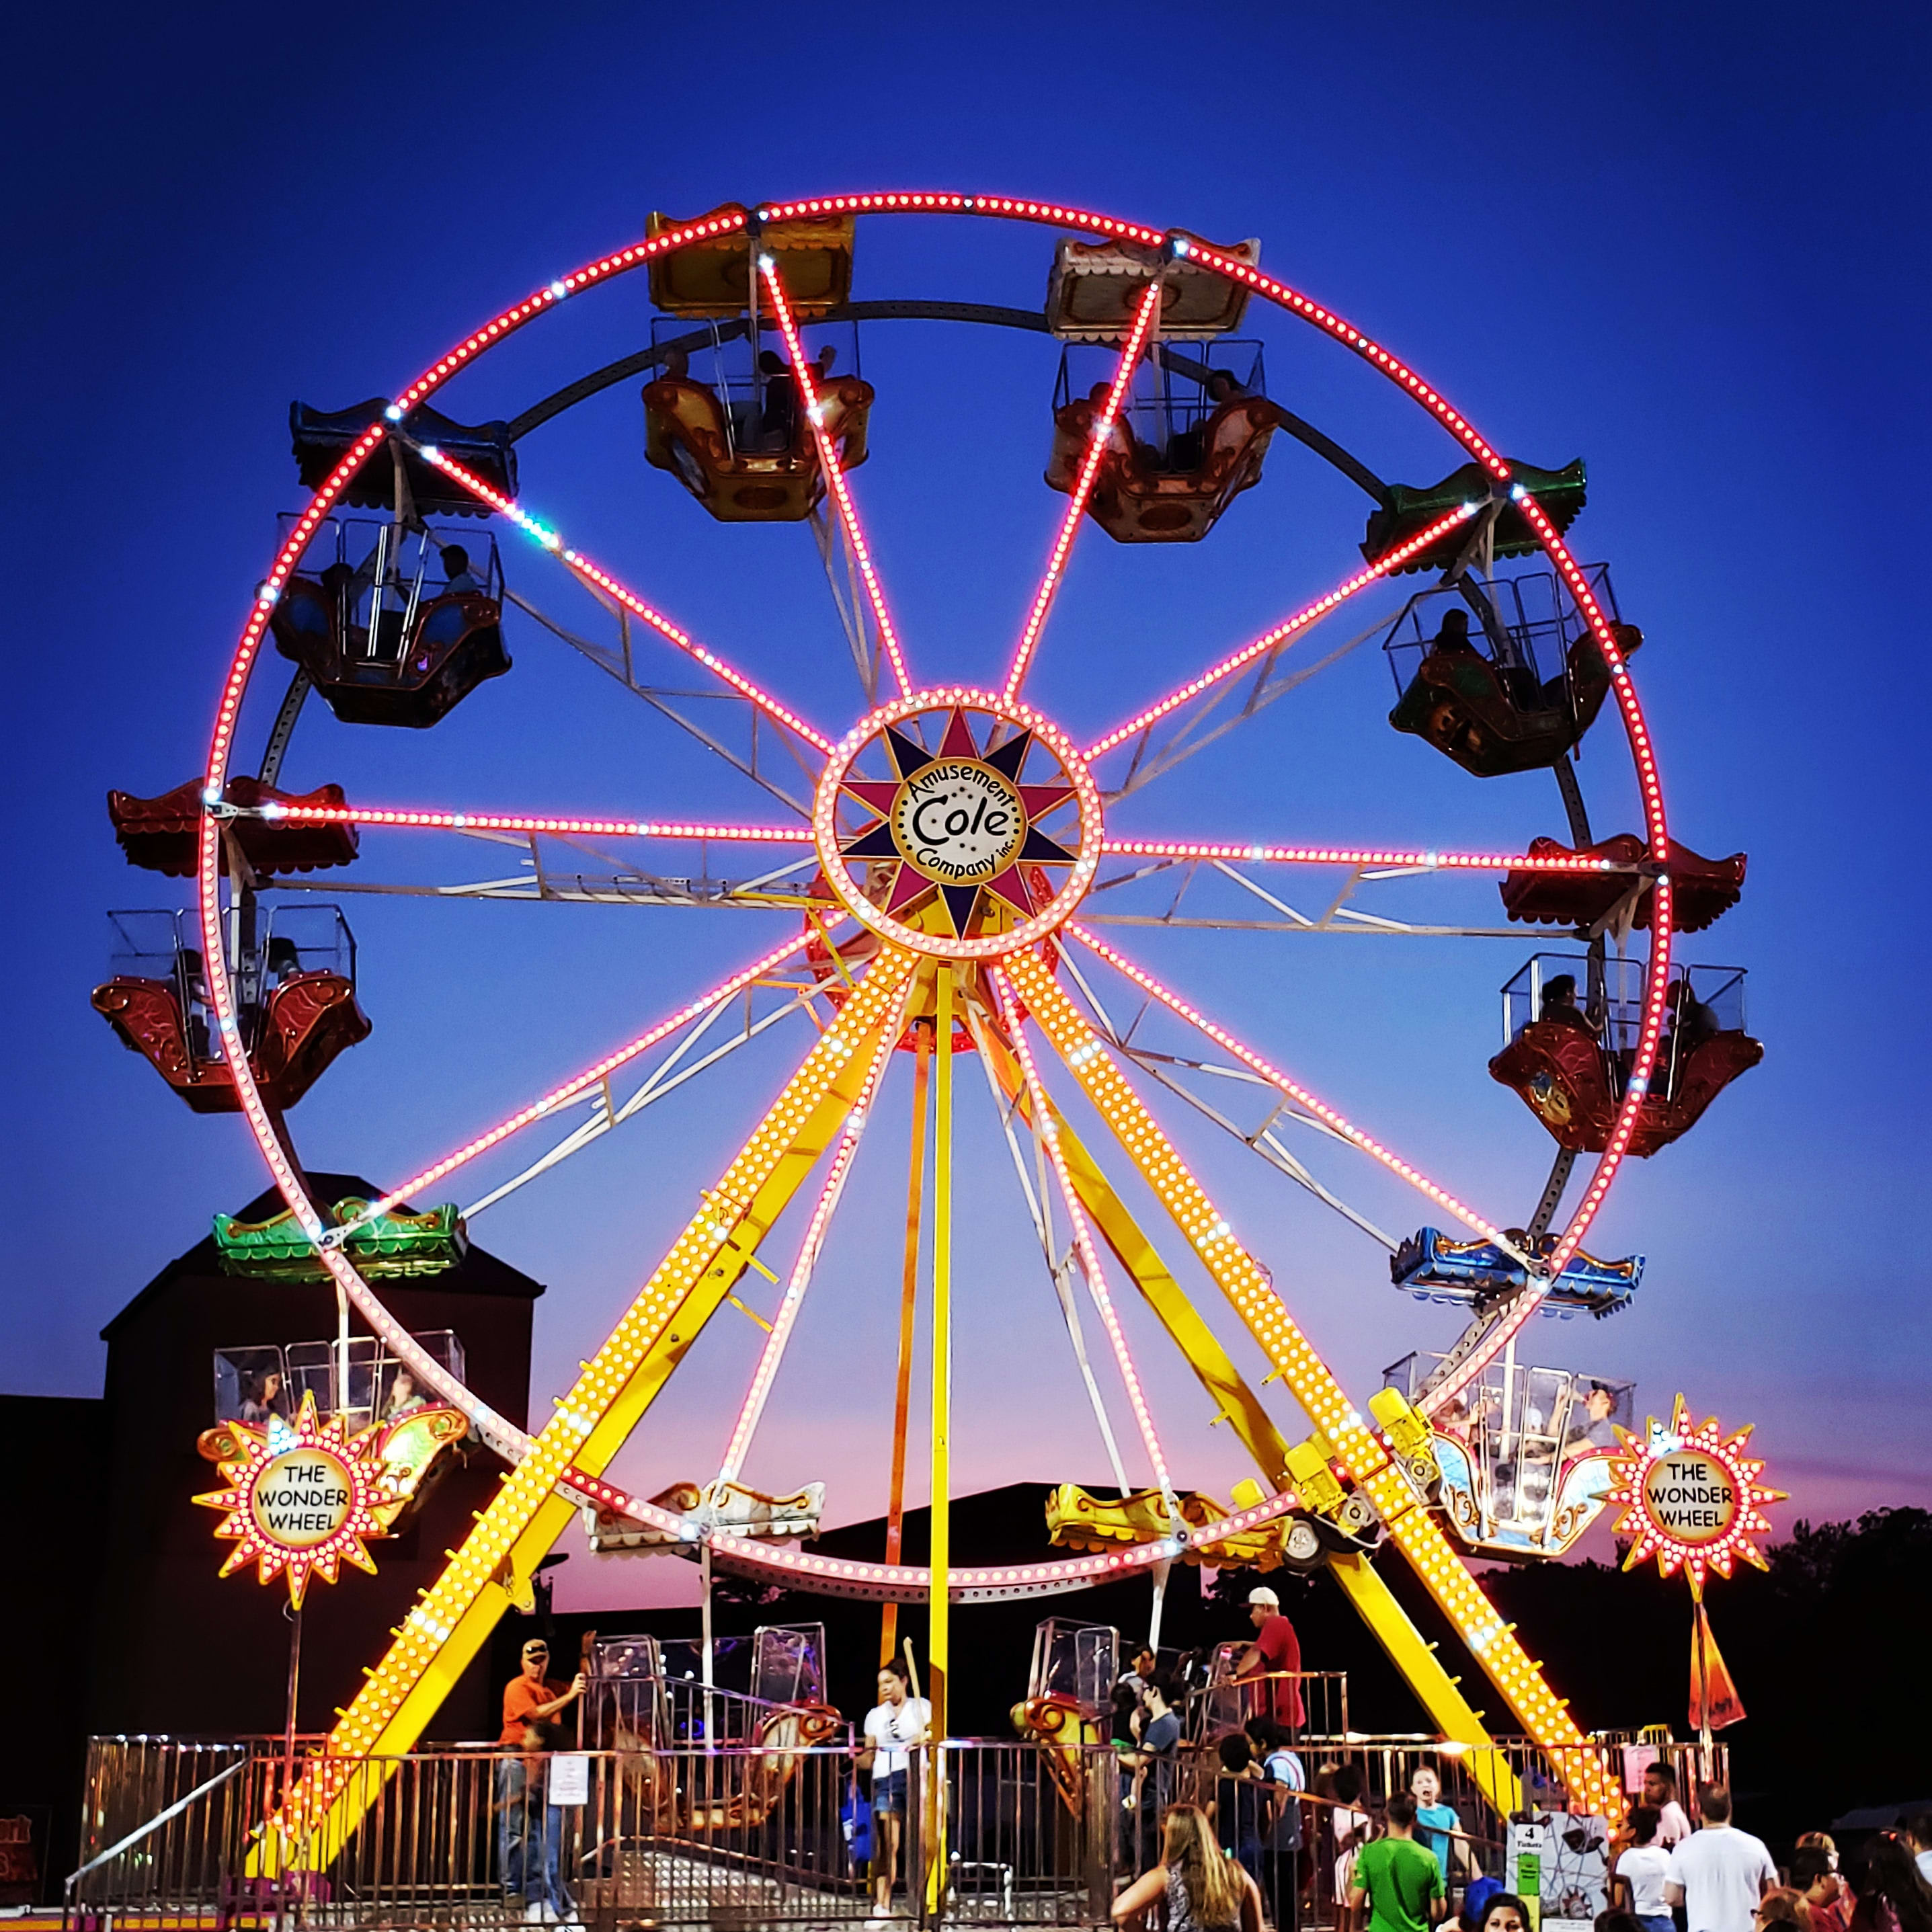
{"x": 536, "y": 1643}
{"x": 1263, "y": 1595}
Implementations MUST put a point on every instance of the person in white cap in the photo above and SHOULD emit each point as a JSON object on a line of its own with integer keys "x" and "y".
{"x": 1275, "y": 1653}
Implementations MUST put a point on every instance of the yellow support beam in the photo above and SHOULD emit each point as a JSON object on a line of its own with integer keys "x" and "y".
{"x": 448, "y": 1627}
{"x": 1441, "y": 1696}
{"x": 1361, "y": 1455}
{"x": 939, "y": 1596}
{"x": 921, "y": 1081}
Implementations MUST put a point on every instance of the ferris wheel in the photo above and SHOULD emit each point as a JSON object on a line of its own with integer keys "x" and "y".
{"x": 940, "y": 875}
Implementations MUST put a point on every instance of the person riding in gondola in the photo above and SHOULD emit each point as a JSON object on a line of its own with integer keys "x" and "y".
{"x": 1452, "y": 639}
{"x": 1187, "y": 448}
{"x": 1690, "y": 1020}
{"x": 1559, "y": 1004}
{"x": 778, "y": 416}
{"x": 1593, "y": 1429}
{"x": 462, "y": 580}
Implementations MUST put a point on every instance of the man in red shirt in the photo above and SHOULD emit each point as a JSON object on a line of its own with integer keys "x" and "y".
{"x": 1275, "y": 1650}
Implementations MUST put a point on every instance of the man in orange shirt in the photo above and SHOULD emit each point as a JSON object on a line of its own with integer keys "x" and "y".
{"x": 532, "y": 1695}
{"x": 529, "y": 1833}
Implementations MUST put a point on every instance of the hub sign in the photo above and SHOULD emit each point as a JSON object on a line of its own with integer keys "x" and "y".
{"x": 958, "y": 821}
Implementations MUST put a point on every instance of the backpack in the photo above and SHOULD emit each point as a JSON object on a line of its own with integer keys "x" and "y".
{"x": 855, "y": 1821}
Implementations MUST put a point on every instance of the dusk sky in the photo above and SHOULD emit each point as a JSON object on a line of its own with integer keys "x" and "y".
{"x": 1687, "y": 246}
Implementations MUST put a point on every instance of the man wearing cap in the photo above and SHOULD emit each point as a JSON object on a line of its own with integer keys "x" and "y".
{"x": 532, "y": 1695}
{"x": 1275, "y": 1653}
{"x": 529, "y": 1833}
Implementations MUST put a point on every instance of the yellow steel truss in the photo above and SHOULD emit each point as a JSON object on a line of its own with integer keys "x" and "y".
{"x": 1360, "y": 1455}
{"x": 1407, "y": 1647}
{"x": 448, "y": 1627}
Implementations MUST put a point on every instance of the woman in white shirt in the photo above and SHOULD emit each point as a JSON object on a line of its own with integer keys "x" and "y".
{"x": 1640, "y": 1869}
{"x": 894, "y": 1726}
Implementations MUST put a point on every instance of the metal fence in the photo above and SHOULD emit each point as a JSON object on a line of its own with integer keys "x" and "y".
{"x": 1021, "y": 1833}
{"x": 1226, "y": 1703}
{"x": 471, "y": 1838}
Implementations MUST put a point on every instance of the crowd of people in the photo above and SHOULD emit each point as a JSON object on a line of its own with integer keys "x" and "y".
{"x": 1231, "y": 1831}
{"x": 1406, "y": 1865}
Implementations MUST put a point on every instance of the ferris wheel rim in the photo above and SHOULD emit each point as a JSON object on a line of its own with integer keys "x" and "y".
{"x": 735, "y": 218}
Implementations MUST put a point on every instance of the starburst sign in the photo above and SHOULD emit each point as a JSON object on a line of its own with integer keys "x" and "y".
{"x": 301, "y": 1497}
{"x": 956, "y": 831}
{"x": 1691, "y": 1497}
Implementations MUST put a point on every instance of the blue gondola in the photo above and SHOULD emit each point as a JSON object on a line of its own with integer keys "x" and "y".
{"x": 1432, "y": 1268}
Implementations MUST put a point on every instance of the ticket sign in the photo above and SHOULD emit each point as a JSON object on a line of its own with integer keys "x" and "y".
{"x": 1691, "y": 1497}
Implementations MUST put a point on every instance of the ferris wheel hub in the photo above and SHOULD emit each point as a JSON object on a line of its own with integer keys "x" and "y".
{"x": 958, "y": 823}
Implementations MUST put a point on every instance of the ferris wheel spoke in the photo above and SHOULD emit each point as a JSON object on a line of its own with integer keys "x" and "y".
{"x": 600, "y": 580}
{"x": 1291, "y": 1089}
{"x": 1388, "y": 861}
{"x": 1281, "y": 634}
{"x": 785, "y": 1318}
{"x": 413, "y": 818}
{"x": 1363, "y": 866}
{"x": 1083, "y": 488}
{"x": 834, "y": 472}
{"x": 591, "y": 1077}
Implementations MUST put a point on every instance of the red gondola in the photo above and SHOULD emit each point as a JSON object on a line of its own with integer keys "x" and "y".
{"x": 160, "y": 834}
{"x": 1569, "y": 1055}
{"x": 296, "y": 1016}
{"x": 1702, "y": 890}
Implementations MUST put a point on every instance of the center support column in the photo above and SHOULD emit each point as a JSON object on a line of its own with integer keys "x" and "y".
{"x": 922, "y": 1084}
{"x": 940, "y": 1597}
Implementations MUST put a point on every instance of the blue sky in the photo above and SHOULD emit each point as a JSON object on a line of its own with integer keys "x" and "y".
{"x": 1689, "y": 248}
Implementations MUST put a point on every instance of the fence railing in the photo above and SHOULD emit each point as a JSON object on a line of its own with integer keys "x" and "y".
{"x": 1011, "y": 1832}
{"x": 477, "y": 1837}
{"x": 1323, "y": 1695}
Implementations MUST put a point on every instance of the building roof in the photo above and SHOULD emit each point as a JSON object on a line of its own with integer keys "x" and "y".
{"x": 478, "y": 1272}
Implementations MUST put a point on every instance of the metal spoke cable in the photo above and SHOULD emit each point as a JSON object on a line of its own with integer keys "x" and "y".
{"x": 1295, "y": 1091}
{"x": 1263, "y": 1141}
{"x": 661, "y": 1080}
{"x": 1039, "y": 1205}
{"x": 834, "y": 475}
{"x": 1083, "y": 1240}
{"x": 785, "y": 1319}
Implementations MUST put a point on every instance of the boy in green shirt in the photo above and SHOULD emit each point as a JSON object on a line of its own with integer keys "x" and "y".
{"x": 1395, "y": 1878}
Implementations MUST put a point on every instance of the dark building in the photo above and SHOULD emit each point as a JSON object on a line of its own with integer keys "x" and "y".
{"x": 113, "y": 1601}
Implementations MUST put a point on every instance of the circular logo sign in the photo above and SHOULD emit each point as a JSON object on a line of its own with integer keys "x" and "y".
{"x": 1691, "y": 1497}
{"x": 300, "y": 1498}
{"x": 958, "y": 821}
